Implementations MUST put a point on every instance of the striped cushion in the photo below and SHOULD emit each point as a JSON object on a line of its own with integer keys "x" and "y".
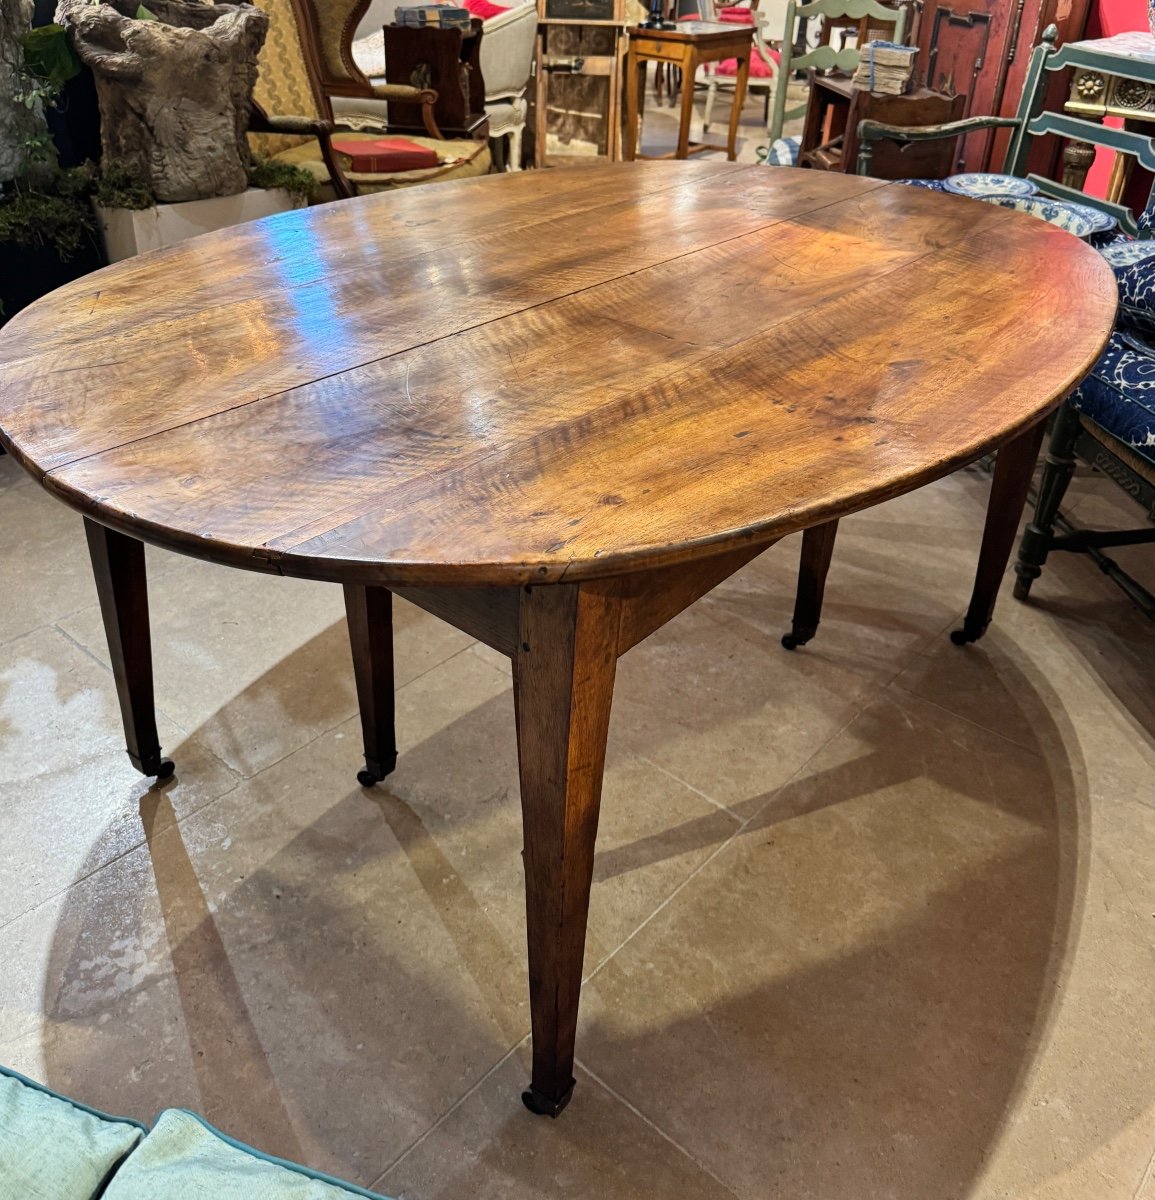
{"x": 784, "y": 152}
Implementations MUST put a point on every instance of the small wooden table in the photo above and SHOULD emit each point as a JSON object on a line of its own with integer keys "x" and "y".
{"x": 532, "y": 447}
{"x": 687, "y": 46}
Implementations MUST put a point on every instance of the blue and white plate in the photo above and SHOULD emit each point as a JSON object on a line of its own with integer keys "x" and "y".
{"x": 980, "y": 184}
{"x": 1126, "y": 254}
{"x": 1079, "y": 219}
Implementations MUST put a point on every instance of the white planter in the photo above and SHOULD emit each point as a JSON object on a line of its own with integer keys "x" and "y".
{"x": 129, "y": 231}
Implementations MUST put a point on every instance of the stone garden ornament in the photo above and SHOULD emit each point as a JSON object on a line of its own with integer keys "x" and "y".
{"x": 175, "y": 83}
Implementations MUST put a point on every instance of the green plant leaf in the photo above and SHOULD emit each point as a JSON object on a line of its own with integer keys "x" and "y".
{"x": 48, "y": 54}
{"x": 142, "y": 14}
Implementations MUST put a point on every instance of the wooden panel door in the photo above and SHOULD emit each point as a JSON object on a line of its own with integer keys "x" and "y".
{"x": 980, "y": 49}
{"x": 963, "y": 46}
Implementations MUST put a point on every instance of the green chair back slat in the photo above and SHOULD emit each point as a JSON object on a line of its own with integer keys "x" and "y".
{"x": 824, "y": 58}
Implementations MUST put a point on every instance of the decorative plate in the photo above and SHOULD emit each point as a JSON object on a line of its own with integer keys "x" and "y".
{"x": 1079, "y": 219}
{"x": 981, "y": 184}
{"x": 1126, "y": 254}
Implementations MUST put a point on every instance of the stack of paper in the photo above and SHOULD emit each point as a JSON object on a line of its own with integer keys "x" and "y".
{"x": 885, "y": 67}
{"x": 437, "y": 15}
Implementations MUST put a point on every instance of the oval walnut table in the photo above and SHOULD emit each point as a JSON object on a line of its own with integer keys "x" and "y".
{"x": 554, "y": 409}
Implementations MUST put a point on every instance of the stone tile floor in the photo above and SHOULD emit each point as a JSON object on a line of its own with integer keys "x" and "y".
{"x": 871, "y": 920}
{"x": 874, "y": 919}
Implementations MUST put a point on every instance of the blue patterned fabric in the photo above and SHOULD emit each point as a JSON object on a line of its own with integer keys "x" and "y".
{"x": 1119, "y": 394}
{"x": 1134, "y": 266}
{"x": 784, "y": 152}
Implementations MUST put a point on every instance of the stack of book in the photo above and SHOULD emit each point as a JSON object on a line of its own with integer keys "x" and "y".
{"x": 885, "y": 67}
{"x": 431, "y": 16}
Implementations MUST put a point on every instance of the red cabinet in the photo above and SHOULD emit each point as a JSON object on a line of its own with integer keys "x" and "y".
{"x": 979, "y": 49}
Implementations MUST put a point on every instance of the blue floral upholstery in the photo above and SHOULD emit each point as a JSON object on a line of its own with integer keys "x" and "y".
{"x": 1119, "y": 394}
{"x": 784, "y": 152}
{"x": 1134, "y": 266}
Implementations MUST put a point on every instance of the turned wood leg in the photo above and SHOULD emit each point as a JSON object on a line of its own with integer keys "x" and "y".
{"x": 369, "y": 611}
{"x": 817, "y": 548}
{"x": 563, "y": 683}
{"x": 118, "y": 567}
{"x": 1058, "y": 467}
{"x": 1013, "y": 468}
{"x": 1077, "y": 160}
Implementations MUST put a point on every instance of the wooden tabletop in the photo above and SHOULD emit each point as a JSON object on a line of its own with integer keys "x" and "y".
{"x": 552, "y": 373}
{"x": 685, "y": 31}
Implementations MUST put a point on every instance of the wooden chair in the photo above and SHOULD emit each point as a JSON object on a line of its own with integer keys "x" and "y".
{"x": 307, "y": 67}
{"x": 867, "y": 18}
{"x": 765, "y": 59}
{"x": 1108, "y": 421}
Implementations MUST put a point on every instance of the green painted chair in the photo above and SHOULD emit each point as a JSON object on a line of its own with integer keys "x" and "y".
{"x": 1109, "y": 420}
{"x": 870, "y": 20}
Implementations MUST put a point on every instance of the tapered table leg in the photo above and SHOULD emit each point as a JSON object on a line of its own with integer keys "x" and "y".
{"x": 369, "y": 611}
{"x": 563, "y": 684}
{"x": 817, "y": 549}
{"x": 736, "y": 111}
{"x": 1014, "y": 465}
{"x": 121, "y": 585}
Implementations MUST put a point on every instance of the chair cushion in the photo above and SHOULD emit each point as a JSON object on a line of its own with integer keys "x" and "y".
{"x": 52, "y": 1148}
{"x": 1119, "y": 394}
{"x": 484, "y": 8}
{"x": 475, "y": 160}
{"x": 185, "y": 1158}
{"x": 759, "y": 67}
{"x": 784, "y": 152}
{"x": 1133, "y": 263}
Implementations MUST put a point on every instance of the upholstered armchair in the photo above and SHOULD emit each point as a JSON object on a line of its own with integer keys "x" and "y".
{"x": 506, "y": 62}
{"x": 306, "y": 69}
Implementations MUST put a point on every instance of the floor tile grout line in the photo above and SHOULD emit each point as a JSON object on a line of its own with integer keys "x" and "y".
{"x": 676, "y": 892}
{"x": 1147, "y": 1175}
{"x": 239, "y": 778}
{"x": 14, "y": 638}
{"x": 451, "y": 1109}
{"x": 160, "y": 712}
{"x": 949, "y": 712}
{"x": 686, "y": 784}
{"x": 655, "y": 1127}
{"x": 738, "y": 831}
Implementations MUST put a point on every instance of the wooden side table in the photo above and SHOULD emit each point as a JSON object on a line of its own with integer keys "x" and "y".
{"x": 447, "y": 60}
{"x": 688, "y": 46}
{"x": 1113, "y": 77}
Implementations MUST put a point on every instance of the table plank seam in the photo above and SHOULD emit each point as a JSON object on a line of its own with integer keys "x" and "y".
{"x": 513, "y": 227}
{"x": 422, "y": 345}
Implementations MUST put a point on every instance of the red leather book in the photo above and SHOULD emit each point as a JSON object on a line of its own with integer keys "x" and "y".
{"x": 383, "y": 155}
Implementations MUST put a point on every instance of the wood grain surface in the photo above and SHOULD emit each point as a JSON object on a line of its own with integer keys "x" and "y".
{"x": 548, "y": 374}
